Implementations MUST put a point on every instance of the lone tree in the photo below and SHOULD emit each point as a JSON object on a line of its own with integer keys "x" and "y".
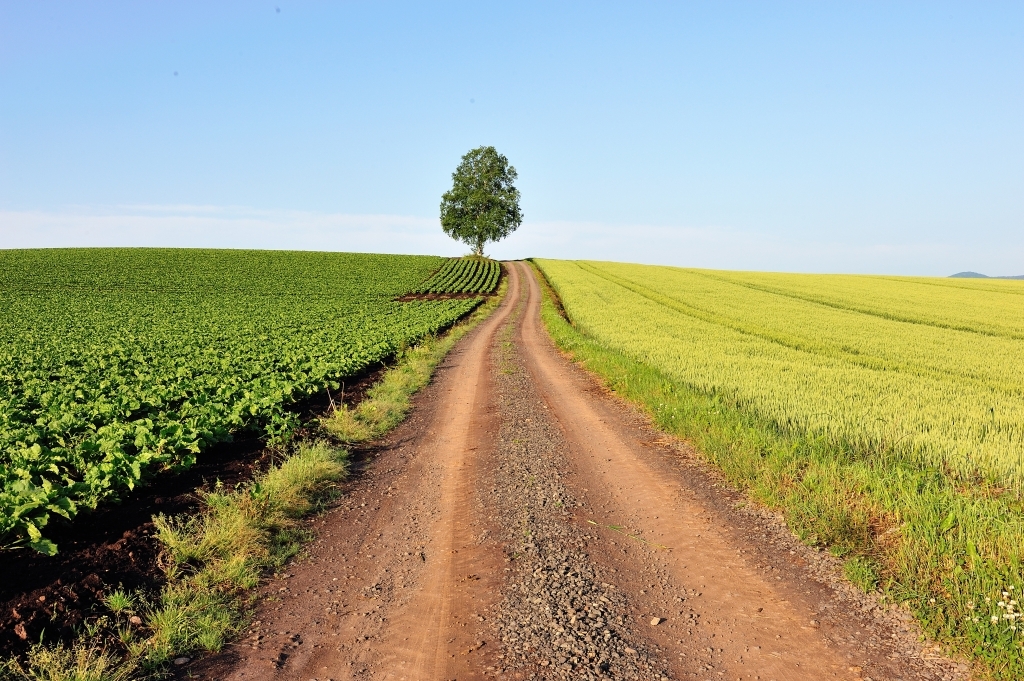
{"x": 483, "y": 204}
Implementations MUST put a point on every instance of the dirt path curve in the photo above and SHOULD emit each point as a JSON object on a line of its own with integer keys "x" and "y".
{"x": 524, "y": 523}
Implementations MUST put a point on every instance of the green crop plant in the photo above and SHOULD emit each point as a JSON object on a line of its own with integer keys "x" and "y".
{"x": 463, "y": 275}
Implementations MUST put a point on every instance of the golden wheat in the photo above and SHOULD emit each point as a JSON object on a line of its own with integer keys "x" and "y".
{"x": 932, "y": 367}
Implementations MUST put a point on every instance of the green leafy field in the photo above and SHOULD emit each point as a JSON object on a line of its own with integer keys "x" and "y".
{"x": 884, "y": 415}
{"x": 116, "y": 364}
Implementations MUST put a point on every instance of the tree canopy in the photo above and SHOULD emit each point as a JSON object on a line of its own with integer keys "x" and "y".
{"x": 483, "y": 203}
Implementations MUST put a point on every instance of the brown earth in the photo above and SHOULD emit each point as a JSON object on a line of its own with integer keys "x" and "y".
{"x": 525, "y": 523}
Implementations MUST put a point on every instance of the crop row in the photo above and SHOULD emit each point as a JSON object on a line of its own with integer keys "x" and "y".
{"x": 463, "y": 275}
{"x": 169, "y": 352}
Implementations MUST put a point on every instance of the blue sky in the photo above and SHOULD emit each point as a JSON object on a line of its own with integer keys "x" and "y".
{"x": 834, "y": 137}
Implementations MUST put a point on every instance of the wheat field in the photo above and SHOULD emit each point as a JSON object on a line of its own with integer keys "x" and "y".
{"x": 933, "y": 368}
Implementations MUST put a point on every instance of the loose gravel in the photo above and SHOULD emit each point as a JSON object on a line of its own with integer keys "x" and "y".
{"x": 557, "y": 619}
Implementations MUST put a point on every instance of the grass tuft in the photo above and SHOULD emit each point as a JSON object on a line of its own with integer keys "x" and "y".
{"x": 120, "y": 601}
{"x": 75, "y": 663}
{"x": 861, "y": 572}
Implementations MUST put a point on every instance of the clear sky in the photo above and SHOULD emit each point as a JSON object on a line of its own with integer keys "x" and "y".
{"x": 819, "y": 136}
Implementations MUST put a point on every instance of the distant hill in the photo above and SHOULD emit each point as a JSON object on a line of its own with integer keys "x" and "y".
{"x": 978, "y": 275}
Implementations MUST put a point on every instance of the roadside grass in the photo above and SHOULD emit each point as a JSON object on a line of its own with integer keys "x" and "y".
{"x": 389, "y": 401}
{"x": 214, "y": 559}
{"x": 950, "y": 552}
{"x": 224, "y": 551}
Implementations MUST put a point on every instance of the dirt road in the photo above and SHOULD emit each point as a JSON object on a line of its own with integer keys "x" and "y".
{"x": 526, "y": 524}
